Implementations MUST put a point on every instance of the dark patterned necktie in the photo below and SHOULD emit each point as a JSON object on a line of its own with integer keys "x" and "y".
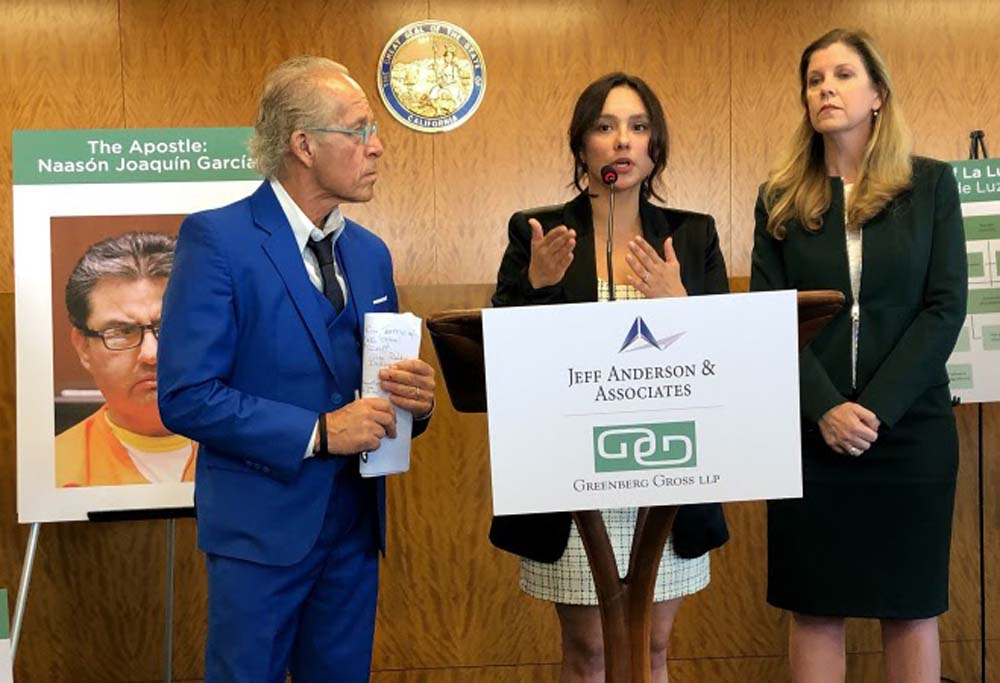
{"x": 323, "y": 250}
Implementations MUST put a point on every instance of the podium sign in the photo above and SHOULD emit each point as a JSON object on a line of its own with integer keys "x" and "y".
{"x": 641, "y": 403}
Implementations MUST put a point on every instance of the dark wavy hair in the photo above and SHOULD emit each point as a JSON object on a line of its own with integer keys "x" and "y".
{"x": 132, "y": 256}
{"x": 588, "y": 110}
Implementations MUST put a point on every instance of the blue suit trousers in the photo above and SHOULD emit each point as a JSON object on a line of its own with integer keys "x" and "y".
{"x": 316, "y": 618}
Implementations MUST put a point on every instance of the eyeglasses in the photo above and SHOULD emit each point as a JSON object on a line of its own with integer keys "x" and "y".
{"x": 365, "y": 132}
{"x": 123, "y": 337}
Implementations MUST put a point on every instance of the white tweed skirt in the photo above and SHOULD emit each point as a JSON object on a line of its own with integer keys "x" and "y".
{"x": 569, "y": 581}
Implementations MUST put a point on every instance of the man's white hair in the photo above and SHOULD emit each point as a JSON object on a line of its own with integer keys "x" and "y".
{"x": 290, "y": 101}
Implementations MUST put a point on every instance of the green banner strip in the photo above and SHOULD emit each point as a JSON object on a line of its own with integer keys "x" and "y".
{"x": 984, "y": 301}
{"x": 964, "y": 343}
{"x": 976, "y": 267}
{"x": 982, "y": 227}
{"x": 4, "y": 616}
{"x": 139, "y": 155}
{"x": 991, "y": 338}
{"x": 960, "y": 376}
{"x": 978, "y": 179}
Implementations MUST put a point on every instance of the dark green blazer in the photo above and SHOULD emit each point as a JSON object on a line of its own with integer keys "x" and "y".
{"x": 913, "y": 295}
{"x": 697, "y": 528}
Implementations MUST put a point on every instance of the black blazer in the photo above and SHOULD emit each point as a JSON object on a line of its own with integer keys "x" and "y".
{"x": 543, "y": 537}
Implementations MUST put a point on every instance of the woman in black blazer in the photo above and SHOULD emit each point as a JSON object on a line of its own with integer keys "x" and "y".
{"x": 849, "y": 209}
{"x": 550, "y": 259}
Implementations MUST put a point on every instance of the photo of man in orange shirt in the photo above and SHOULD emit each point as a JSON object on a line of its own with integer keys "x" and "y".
{"x": 113, "y": 297}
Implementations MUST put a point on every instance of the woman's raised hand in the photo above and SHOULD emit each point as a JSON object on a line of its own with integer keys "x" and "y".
{"x": 551, "y": 254}
{"x": 654, "y": 276}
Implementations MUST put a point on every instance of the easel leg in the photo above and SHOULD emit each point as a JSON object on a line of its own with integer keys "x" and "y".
{"x": 168, "y": 639}
{"x": 22, "y": 590}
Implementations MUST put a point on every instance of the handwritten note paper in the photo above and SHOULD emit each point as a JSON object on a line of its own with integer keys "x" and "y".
{"x": 389, "y": 337}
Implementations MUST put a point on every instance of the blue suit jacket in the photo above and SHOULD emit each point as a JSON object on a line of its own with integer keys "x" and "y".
{"x": 249, "y": 355}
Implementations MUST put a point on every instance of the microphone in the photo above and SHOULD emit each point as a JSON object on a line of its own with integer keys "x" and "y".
{"x": 609, "y": 176}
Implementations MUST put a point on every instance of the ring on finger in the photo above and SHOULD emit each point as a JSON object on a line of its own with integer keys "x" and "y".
{"x": 853, "y": 450}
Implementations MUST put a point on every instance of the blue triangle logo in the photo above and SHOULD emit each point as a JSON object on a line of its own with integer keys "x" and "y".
{"x": 639, "y": 329}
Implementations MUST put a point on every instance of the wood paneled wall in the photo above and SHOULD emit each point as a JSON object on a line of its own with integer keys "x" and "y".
{"x": 449, "y": 609}
{"x": 725, "y": 70}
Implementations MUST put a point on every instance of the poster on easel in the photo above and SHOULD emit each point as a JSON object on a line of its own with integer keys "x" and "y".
{"x": 6, "y": 661}
{"x": 974, "y": 365}
{"x": 96, "y": 215}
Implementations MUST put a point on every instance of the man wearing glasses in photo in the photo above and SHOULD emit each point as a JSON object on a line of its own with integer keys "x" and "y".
{"x": 113, "y": 297}
{"x": 262, "y": 333}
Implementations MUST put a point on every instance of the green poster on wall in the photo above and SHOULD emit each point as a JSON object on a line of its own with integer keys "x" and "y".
{"x": 6, "y": 662}
{"x": 974, "y": 366}
{"x": 4, "y": 616}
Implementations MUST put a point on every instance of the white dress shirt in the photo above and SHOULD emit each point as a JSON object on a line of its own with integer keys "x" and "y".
{"x": 304, "y": 230}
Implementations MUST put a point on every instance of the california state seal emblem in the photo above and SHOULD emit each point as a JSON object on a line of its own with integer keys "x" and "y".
{"x": 432, "y": 76}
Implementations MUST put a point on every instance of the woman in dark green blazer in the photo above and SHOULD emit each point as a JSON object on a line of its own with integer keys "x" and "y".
{"x": 849, "y": 209}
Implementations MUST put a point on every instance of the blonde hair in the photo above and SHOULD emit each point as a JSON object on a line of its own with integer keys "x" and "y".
{"x": 797, "y": 188}
{"x": 289, "y": 102}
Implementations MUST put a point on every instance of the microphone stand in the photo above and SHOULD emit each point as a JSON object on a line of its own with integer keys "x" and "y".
{"x": 611, "y": 237}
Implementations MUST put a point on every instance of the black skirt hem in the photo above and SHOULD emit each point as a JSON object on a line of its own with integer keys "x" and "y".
{"x": 843, "y": 612}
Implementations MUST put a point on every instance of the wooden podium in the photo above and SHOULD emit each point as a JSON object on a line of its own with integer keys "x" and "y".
{"x": 626, "y": 604}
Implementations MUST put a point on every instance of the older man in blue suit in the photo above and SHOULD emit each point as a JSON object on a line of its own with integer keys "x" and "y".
{"x": 260, "y": 362}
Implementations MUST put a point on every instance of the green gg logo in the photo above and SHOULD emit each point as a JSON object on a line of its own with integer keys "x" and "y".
{"x": 623, "y": 448}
